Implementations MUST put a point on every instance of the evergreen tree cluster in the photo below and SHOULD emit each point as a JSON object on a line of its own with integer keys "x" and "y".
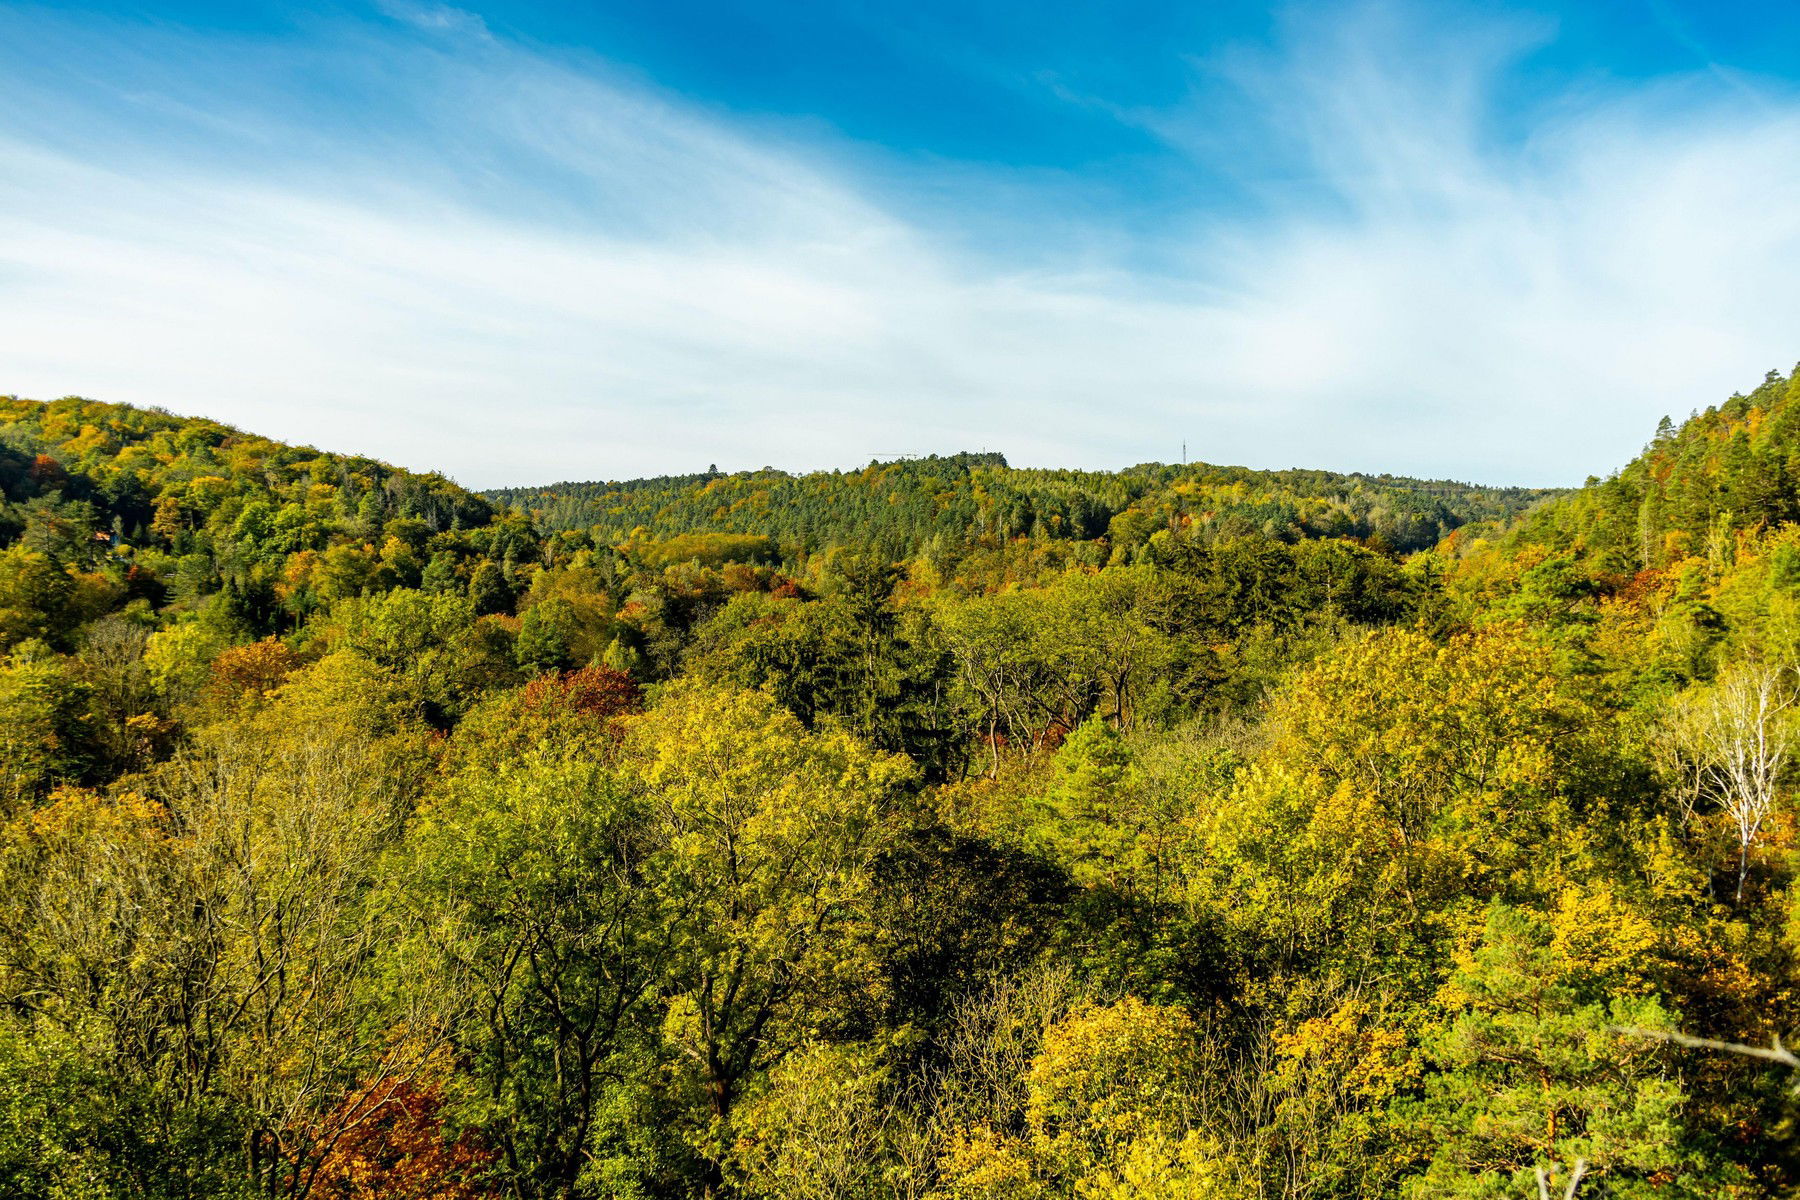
{"x": 945, "y": 504}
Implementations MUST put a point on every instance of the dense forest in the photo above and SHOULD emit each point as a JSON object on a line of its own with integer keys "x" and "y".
{"x": 936, "y": 507}
{"x": 935, "y": 831}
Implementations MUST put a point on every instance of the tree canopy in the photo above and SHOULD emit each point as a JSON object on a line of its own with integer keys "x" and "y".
{"x": 935, "y": 831}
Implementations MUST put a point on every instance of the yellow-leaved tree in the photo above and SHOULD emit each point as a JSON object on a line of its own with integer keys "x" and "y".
{"x": 1405, "y": 779}
{"x": 1111, "y": 1110}
{"x": 768, "y": 831}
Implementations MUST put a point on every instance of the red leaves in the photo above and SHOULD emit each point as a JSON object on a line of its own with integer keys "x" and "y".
{"x": 599, "y": 693}
{"x": 47, "y": 473}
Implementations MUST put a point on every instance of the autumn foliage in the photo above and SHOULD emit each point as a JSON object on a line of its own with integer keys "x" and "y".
{"x": 394, "y": 1146}
{"x": 929, "y": 831}
{"x": 250, "y": 671}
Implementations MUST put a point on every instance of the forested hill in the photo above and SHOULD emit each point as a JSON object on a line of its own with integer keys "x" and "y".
{"x": 145, "y": 505}
{"x": 136, "y": 464}
{"x": 910, "y": 506}
{"x": 1695, "y": 488}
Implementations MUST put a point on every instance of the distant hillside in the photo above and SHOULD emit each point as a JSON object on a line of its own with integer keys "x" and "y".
{"x": 1730, "y": 468}
{"x": 190, "y": 511}
{"x": 903, "y": 507}
{"x": 127, "y": 461}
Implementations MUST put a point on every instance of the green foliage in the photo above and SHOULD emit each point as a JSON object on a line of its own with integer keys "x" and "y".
{"x": 548, "y": 972}
{"x": 772, "y": 831}
{"x": 1694, "y": 488}
{"x": 1094, "y": 819}
{"x": 434, "y": 641}
{"x": 36, "y": 598}
{"x": 1536, "y": 1076}
{"x": 950, "y": 503}
{"x": 44, "y": 727}
{"x": 851, "y": 657}
{"x": 488, "y": 592}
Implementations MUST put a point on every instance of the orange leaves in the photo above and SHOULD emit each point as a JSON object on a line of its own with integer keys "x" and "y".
{"x": 597, "y": 693}
{"x": 569, "y": 714}
{"x": 47, "y": 473}
{"x": 254, "y": 670}
{"x": 394, "y": 1147}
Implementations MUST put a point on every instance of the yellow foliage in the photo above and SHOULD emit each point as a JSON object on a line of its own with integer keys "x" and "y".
{"x": 1160, "y": 1167}
{"x": 1346, "y": 1047}
{"x": 817, "y": 1131}
{"x": 81, "y": 813}
{"x": 1108, "y": 1075}
{"x": 1404, "y": 774}
{"x": 981, "y": 1164}
{"x": 1605, "y": 940}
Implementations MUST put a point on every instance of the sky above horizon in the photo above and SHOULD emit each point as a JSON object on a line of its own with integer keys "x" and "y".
{"x": 529, "y": 242}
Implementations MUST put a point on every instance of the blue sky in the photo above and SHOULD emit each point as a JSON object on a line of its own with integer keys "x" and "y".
{"x": 546, "y": 241}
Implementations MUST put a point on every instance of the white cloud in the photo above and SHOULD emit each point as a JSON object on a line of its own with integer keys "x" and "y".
{"x": 437, "y": 18}
{"x": 553, "y": 273}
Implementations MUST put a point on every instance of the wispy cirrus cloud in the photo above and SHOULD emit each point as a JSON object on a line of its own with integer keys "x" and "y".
{"x": 420, "y": 240}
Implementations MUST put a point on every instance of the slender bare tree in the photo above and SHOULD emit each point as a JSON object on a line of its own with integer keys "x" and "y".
{"x": 1735, "y": 737}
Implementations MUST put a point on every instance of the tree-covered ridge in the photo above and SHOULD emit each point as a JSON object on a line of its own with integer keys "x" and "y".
{"x": 1731, "y": 468}
{"x": 938, "y": 504}
{"x": 186, "y": 510}
{"x": 130, "y": 462}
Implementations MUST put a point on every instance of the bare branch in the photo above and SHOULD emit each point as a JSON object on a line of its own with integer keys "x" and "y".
{"x": 1774, "y": 1052}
